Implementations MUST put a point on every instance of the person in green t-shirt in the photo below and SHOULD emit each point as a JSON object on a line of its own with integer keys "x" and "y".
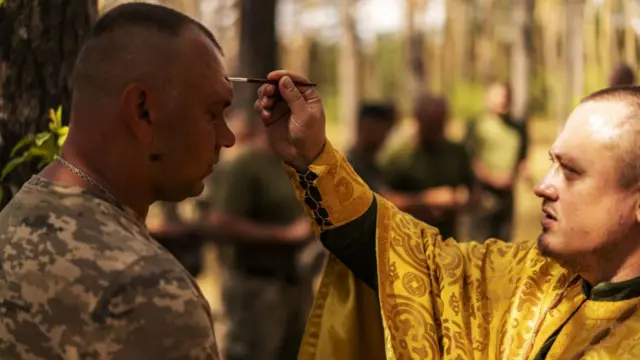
{"x": 498, "y": 146}
{"x": 261, "y": 229}
{"x": 429, "y": 177}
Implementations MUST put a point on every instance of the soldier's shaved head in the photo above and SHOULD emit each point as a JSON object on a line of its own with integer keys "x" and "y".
{"x": 134, "y": 42}
{"x": 149, "y": 94}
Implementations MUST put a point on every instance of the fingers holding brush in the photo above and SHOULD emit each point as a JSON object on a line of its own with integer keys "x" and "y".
{"x": 264, "y": 105}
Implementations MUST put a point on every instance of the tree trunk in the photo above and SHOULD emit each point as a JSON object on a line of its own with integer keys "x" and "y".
{"x": 630, "y": 40}
{"x": 573, "y": 57}
{"x": 415, "y": 47}
{"x": 607, "y": 40}
{"x": 40, "y": 40}
{"x": 522, "y": 57}
{"x": 462, "y": 22}
{"x": 592, "y": 57}
{"x": 296, "y": 50}
{"x": 485, "y": 41}
{"x": 348, "y": 72}
{"x": 258, "y": 49}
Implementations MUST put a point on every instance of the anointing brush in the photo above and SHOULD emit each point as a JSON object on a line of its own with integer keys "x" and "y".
{"x": 266, "y": 81}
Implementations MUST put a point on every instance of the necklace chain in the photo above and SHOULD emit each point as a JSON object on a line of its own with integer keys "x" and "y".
{"x": 86, "y": 177}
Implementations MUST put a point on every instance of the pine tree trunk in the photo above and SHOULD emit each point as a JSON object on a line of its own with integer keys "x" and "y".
{"x": 258, "y": 49}
{"x": 348, "y": 73}
{"x": 40, "y": 40}
{"x": 522, "y": 57}
{"x": 630, "y": 38}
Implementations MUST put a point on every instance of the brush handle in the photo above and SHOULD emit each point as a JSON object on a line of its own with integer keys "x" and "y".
{"x": 266, "y": 81}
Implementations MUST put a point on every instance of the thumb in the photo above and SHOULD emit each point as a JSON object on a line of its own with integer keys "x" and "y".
{"x": 292, "y": 96}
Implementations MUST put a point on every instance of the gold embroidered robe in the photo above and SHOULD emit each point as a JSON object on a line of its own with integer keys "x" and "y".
{"x": 440, "y": 299}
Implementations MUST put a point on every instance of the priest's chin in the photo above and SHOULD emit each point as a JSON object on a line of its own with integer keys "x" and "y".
{"x": 553, "y": 247}
{"x": 544, "y": 245}
{"x": 546, "y": 248}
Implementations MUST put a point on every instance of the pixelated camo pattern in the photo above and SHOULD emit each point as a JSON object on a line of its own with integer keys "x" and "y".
{"x": 82, "y": 279}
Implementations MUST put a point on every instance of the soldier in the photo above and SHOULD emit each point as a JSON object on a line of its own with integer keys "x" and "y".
{"x": 265, "y": 294}
{"x": 81, "y": 277}
{"x": 622, "y": 75}
{"x": 375, "y": 122}
{"x": 429, "y": 177}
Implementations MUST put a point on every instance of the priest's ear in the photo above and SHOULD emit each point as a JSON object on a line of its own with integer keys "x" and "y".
{"x": 637, "y": 205}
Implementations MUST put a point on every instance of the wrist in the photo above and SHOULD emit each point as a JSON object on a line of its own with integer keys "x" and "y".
{"x": 302, "y": 164}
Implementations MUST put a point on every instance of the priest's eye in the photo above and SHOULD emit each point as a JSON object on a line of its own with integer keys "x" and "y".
{"x": 569, "y": 168}
{"x": 565, "y": 168}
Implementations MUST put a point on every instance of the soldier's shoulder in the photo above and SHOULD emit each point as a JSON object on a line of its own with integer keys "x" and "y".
{"x": 71, "y": 227}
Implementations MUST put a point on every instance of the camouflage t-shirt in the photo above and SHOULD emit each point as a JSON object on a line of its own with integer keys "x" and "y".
{"x": 82, "y": 279}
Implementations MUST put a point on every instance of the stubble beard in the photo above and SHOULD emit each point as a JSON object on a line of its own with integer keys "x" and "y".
{"x": 583, "y": 262}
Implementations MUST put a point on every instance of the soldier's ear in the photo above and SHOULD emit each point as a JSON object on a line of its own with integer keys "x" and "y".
{"x": 136, "y": 109}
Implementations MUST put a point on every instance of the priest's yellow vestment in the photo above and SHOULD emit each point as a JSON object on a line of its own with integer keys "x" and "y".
{"x": 440, "y": 299}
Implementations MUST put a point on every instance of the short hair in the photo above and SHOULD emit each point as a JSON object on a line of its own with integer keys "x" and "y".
{"x": 384, "y": 112}
{"x": 425, "y": 103}
{"x": 623, "y": 75}
{"x": 127, "y": 24}
{"x": 629, "y": 149}
{"x": 151, "y": 16}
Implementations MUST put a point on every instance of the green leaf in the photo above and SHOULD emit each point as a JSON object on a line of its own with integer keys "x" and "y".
{"x": 61, "y": 139}
{"x": 59, "y": 117}
{"x": 50, "y": 147}
{"x": 39, "y": 153}
{"x": 14, "y": 163}
{"x": 1, "y": 3}
{"x": 64, "y": 130}
{"x": 1, "y": 188}
{"x": 42, "y": 137}
{"x": 21, "y": 144}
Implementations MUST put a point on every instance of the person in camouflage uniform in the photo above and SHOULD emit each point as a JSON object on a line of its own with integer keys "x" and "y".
{"x": 81, "y": 278}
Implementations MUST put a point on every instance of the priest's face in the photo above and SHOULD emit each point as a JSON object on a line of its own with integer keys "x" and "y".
{"x": 587, "y": 213}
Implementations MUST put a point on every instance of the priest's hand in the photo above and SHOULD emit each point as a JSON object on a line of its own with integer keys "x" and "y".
{"x": 294, "y": 119}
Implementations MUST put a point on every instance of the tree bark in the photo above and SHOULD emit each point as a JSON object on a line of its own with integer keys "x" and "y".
{"x": 348, "y": 72}
{"x": 415, "y": 47}
{"x": 40, "y": 40}
{"x": 630, "y": 38}
{"x": 485, "y": 41}
{"x": 258, "y": 49}
{"x": 522, "y": 57}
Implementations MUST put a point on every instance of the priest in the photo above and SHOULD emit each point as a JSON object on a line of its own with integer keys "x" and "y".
{"x": 395, "y": 289}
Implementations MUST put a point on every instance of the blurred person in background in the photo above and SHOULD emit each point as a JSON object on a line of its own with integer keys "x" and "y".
{"x": 622, "y": 75}
{"x": 262, "y": 229}
{"x": 375, "y": 121}
{"x": 497, "y": 143}
{"x": 430, "y": 177}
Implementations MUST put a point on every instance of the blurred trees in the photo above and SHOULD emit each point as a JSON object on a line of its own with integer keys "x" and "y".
{"x": 552, "y": 51}
{"x": 39, "y": 41}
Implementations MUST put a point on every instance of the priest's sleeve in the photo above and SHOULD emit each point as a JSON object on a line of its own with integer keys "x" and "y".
{"x": 393, "y": 289}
